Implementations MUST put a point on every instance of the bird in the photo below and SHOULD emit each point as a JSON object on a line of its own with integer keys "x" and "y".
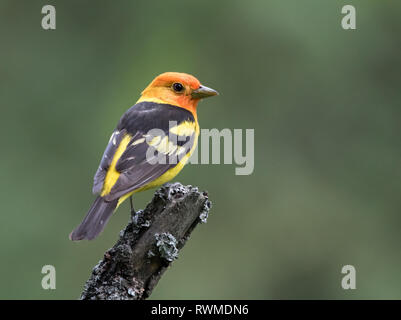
{"x": 151, "y": 144}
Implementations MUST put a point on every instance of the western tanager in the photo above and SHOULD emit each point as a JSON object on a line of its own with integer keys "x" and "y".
{"x": 150, "y": 145}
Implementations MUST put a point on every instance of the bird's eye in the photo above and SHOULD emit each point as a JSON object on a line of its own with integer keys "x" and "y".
{"x": 178, "y": 87}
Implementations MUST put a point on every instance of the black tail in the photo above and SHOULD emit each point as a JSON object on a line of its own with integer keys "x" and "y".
{"x": 95, "y": 220}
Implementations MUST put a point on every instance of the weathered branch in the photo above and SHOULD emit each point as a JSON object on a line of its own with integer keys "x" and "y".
{"x": 147, "y": 246}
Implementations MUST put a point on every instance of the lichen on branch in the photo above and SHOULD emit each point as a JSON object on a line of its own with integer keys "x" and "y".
{"x": 148, "y": 245}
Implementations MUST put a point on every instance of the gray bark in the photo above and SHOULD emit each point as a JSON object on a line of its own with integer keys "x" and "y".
{"x": 147, "y": 246}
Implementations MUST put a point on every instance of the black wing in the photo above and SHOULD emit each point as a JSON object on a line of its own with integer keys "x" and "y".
{"x": 145, "y": 157}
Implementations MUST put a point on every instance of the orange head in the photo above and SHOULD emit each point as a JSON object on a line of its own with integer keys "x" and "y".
{"x": 176, "y": 88}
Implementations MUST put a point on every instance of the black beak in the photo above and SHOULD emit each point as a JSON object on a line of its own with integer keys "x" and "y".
{"x": 203, "y": 92}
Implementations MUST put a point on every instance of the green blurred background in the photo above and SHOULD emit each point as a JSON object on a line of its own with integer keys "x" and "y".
{"x": 324, "y": 103}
